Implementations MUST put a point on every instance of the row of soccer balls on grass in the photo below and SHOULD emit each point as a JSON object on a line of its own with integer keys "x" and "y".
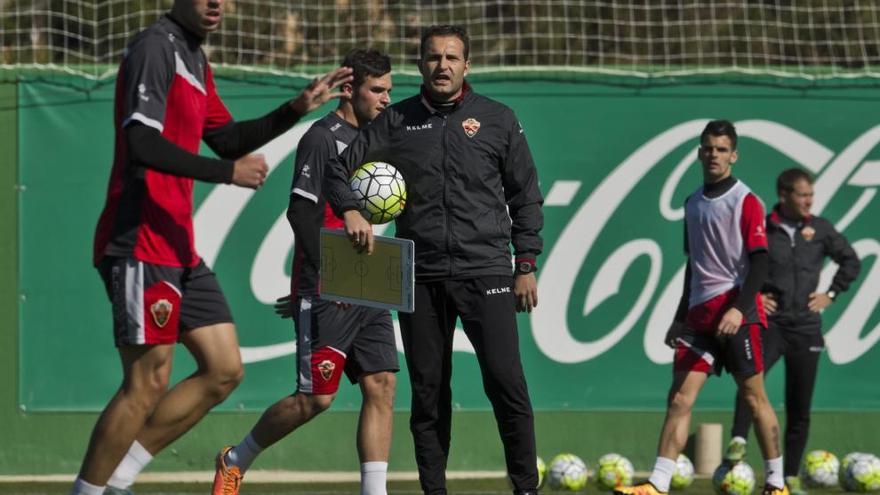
{"x": 858, "y": 472}
{"x": 569, "y": 472}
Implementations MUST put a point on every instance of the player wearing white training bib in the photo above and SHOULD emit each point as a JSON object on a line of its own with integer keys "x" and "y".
{"x": 721, "y": 231}
{"x": 720, "y": 317}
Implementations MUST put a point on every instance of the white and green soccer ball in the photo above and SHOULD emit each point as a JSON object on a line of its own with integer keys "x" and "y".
{"x": 542, "y": 472}
{"x": 380, "y": 191}
{"x": 567, "y": 472}
{"x": 847, "y": 459}
{"x": 820, "y": 469}
{"x": 614, "y": 470}
{"x": 862, "y": 473}
{"x": 738, "y": 479}
{"x": 844, "y": 464}
{"x": 683, "y": 475}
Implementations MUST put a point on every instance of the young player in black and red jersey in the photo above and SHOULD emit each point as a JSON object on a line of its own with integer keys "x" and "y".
{"x": 160, "y": 289}
{"x": 720, "y": 317}
{"x": 332, "y": 338}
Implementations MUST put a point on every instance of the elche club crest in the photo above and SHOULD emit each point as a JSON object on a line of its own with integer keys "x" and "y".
{"x": 326, "y": 367}
{"x": 471, "y": 126}
{"x": 808, "y": 233}
{"x": 161, "y": 311}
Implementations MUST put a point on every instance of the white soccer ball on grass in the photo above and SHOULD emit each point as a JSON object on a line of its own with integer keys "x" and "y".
{"x": 820, "y": 469}
{"x": 614, "y": 470}
{"x": 567, "y": 472}
{"x": 862, "y": 473}
{"x": 736, "y": 479}
{"x": 683, "y": 476}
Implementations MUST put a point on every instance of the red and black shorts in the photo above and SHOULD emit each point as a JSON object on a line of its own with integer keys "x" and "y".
{"x": 153, "y": 304}
{"x": 740, "y": 354}
{"x": 331, "y": 338}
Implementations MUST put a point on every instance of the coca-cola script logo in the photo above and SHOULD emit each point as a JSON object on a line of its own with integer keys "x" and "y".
{"x": 550, "y": 321}
{"x": 847, "y": 339}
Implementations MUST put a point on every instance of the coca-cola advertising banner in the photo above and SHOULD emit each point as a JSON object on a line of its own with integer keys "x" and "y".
{"x": 615, "y": 165}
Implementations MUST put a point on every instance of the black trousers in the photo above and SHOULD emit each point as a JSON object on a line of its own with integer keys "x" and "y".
{"x": 801, "y": 352}
{"x": 487, "y": 310}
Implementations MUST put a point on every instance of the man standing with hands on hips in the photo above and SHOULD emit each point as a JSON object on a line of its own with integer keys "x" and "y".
{"x": 799, "y": 243}
{"x": 472, "y": 191}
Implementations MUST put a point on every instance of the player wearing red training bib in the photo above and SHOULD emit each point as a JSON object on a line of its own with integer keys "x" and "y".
{"x": 720, "y": 316}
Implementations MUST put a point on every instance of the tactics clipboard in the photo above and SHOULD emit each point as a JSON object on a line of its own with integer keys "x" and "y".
{"x": 384, "y": 279}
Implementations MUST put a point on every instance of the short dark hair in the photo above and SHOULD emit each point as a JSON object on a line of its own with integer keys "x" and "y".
{"x": 720, "y": 128}
{"x": 786, "y": 180}
{"x": 445, "y": 30}
{"x": 366, "y": 62}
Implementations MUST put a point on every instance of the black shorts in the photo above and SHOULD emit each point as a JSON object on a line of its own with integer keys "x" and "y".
{"x": 330, "y": 338}
{"x": 153, "y": 304}
{"x": 740, "y": 354}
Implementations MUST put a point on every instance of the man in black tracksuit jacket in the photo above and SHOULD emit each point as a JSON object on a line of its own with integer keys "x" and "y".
{"x": 799, "y": 243}
{"x": 472, "y": 190}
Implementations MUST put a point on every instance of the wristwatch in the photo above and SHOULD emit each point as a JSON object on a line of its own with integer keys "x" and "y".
{"x": 523, "y": 267}
{"x": 832, "y": 294}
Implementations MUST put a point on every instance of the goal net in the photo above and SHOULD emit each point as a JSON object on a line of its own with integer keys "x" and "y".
{"x": 788, "y": 40}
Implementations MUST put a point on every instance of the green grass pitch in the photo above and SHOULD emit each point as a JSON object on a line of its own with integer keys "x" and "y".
{"x": 462, "y": 487}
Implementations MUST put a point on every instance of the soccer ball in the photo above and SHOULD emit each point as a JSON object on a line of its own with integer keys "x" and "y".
{"x": 380, "y": 191}
{"x": 568, "y": 472}
{"x": 847, "y": 459}
{"x": 683, "y": 475}
{"x": 862, "y": 473}
{"x": 542, "y": 474}
{"x": 844, "y": 465}
{"x": 738, "y": 479}
{"x": 614, "y": 470}
{"x": 820, "y": 469}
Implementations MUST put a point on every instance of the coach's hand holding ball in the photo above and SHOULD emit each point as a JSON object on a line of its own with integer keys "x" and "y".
{"x": 359, "y": 230}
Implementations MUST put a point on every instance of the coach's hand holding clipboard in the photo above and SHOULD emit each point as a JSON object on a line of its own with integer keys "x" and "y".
{"x": 381, "y": 277}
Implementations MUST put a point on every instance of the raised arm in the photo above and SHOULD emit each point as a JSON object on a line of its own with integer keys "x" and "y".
{"x": 234, "y": 139}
